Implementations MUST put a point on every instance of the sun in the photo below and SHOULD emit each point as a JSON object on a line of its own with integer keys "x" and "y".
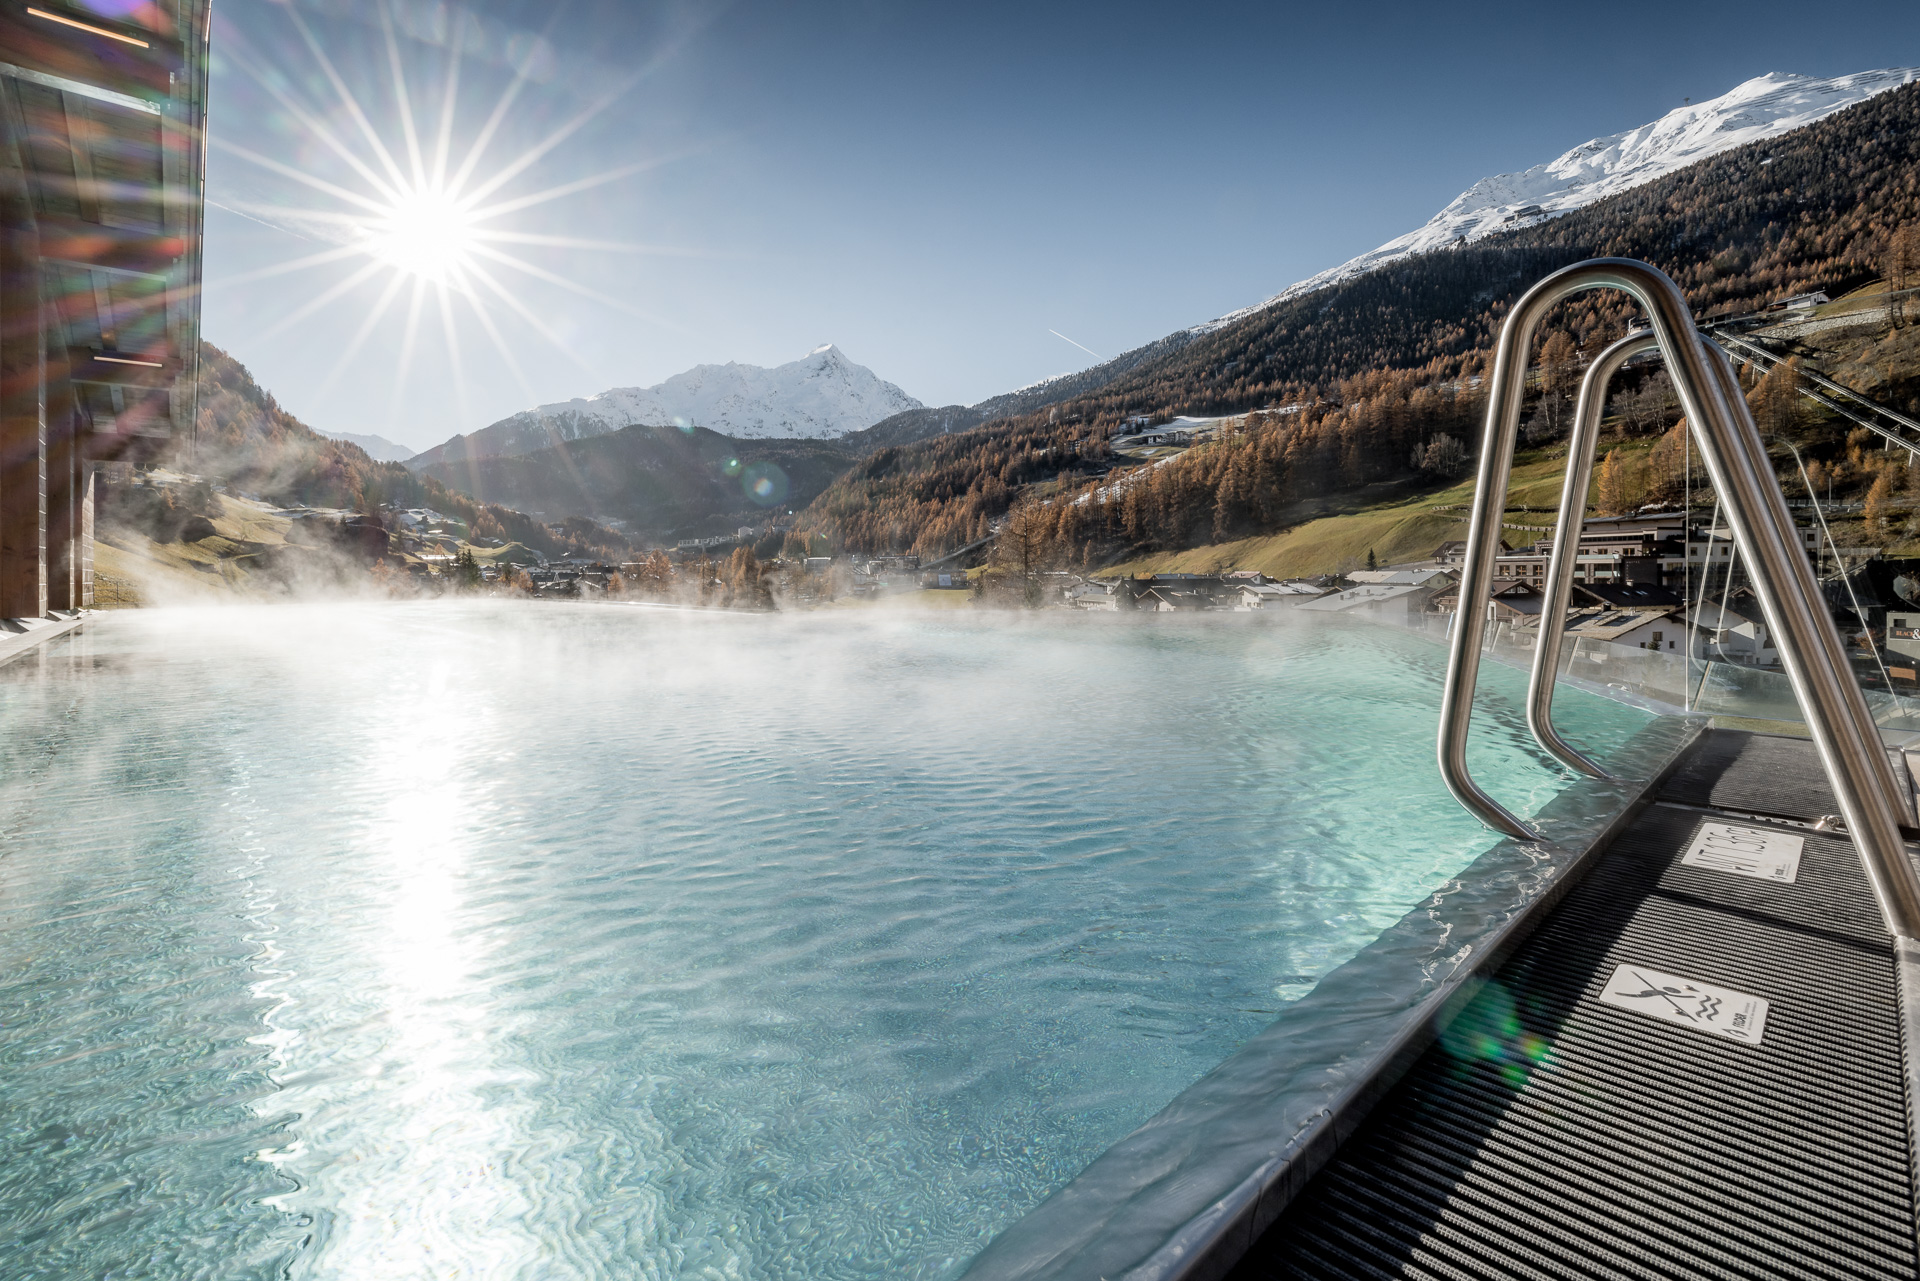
{"x": 436, "y": 224}
{"x": 425, "y": 233}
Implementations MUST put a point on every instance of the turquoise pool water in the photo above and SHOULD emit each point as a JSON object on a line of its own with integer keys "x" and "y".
{"x": 494, "y": 940}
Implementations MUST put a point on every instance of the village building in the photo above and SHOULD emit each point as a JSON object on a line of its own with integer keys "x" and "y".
{"x": 1627, "y": 596}
{"x": 1403, "y": 603}
{"x": 1173, "y": 600}
{"x": 1608, "y": 556}
{"x": 1723, "y": 635}
{"x": 1656, "y": 628}
{"x": 1271, "y": 595}
{"x": 1903, "y": 646}
{"x": 1903, "y": 635}
{"x": 1092, "y": 595}
{"x": 1213, "y": 590}
{"x": 1261, "y": 596}
{"x": 1512, "y": 600}
{"x": 1454, "y": 552}
{"x": 1715, "y": 547}
{"x": 1800, "y": 302}
{"x": 1400, "y": 577}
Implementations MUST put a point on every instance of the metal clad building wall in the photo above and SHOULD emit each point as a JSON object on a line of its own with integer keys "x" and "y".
{"x": 101, "y": 171}
{"x": 23, "y": 488}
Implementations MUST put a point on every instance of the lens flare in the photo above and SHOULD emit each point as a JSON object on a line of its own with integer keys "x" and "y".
{"x": 1489, "y": 1032}
{"x": 414, "y": 209}
{"x": 764, "y": 483}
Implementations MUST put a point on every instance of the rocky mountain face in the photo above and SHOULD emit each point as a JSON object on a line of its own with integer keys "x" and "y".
{"x": 1762, "y": 108}
{"x": 819, "y": 397}
{"x": 1362, "y": 372}
{"x": 1771, "y": 153}
{"x": 378, "y": 448}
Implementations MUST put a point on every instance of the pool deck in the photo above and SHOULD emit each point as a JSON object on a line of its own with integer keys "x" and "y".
{"x": 1579, "y": 1118}
{"x": 22, "y": 635}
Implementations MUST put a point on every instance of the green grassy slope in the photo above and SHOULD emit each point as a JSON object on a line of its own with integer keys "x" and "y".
{"x": 1402, "y": 530}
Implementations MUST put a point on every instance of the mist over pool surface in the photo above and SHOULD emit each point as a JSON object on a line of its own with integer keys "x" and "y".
{"x": 505, "y": 940}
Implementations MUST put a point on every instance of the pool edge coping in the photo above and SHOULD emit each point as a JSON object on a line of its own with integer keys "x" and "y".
{"x": 1210, "y": 1241}
{"x": 15, "y": 645}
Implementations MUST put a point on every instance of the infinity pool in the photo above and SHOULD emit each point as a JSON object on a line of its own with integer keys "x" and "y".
{"x": 516, "y": 941}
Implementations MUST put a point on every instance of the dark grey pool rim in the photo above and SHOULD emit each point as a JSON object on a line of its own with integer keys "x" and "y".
{"x": 1184, "y": 1196}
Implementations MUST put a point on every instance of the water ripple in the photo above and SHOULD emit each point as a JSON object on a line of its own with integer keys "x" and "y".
{"x": 569, "y": 942}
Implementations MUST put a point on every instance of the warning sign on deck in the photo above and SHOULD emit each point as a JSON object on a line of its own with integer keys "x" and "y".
{"x": 1700, "y": 1006}
{"x": 1746, "y": 851}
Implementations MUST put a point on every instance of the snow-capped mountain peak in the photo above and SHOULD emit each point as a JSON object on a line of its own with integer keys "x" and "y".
{"x": 378, "y": 448}
{"x": 820, "y": 396}
{"x": 1761, "y": 108}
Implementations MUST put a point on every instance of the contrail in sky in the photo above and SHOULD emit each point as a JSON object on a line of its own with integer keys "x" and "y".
{"x": 1063, "y": 338}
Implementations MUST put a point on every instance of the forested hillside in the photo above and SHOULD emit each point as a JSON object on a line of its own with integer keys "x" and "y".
{"x": 1361, "y": 380}
{"x": 247, "y": 441}
{"x": 661, "y": 480}
{"x": 921, "y": 424}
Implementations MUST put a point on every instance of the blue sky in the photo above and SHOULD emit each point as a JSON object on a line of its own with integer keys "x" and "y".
{"x": 932, "y": 187}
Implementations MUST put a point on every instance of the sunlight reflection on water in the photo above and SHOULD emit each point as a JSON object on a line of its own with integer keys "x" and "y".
{"x": 546, "y": 941}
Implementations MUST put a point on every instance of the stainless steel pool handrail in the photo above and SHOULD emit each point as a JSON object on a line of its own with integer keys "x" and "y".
{"x": 1564, "y": 558}
{"x": 1736, "y": 461}
{"x": 1891, "y": 790}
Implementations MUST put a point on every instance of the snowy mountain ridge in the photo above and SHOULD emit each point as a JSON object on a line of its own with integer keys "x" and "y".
{"x": 378, "y": 448}
{"x": 1761, "y": 108}
{"x": 820, "y": 396}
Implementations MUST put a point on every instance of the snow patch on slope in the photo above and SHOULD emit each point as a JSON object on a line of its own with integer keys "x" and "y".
{"x": 378, "y": 448}
{"x": 1763, "y": 107}
{"x": 820, "y": 396}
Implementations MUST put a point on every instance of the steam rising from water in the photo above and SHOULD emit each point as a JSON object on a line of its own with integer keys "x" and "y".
{"x": 535, "y": 941}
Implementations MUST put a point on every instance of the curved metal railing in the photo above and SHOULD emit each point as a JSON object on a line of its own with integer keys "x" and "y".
{"x": 1736, "y": 461}
{"x": 1588, "y": 414}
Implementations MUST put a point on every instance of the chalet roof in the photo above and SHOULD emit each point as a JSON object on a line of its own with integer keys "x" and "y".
{"x": 1629, "y": 595}
{"x": 1613, "y": 524}
{"x": 1179, "y": 599}
{"x": 1354, "y": 597}
{"x": 1609, "y": 624}
{"x": 1712, "y": 617}
{"x": 1399, "y": 576}
{"x": 1501, "y": 587}
{"x": 1512, "y": 594}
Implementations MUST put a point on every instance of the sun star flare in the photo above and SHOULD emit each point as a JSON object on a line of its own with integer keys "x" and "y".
{"x": 426, "y": 233}
{"x": 419, "y": 213}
